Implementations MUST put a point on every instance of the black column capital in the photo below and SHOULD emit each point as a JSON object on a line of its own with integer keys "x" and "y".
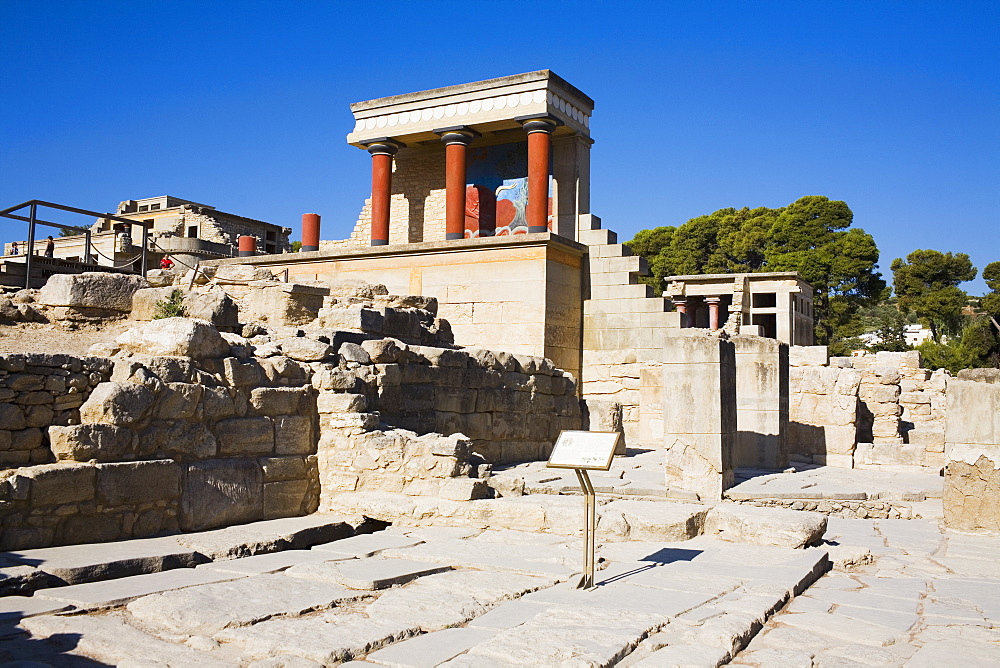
{"x": 458, "y": 134}
{"x": 383, "y": 146}
{"x": 539, "y": 123}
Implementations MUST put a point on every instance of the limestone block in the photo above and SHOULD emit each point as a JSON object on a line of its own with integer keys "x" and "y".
{"x": 991, "y": 376}
{"x": 638, "y": 520}
{"x": 213, "y": 306}
{"x": 808, "y": 356}
{"x": 337, "y": 402}
{"x": 176, "y": 439}
{"x": 240, "y": 274}
{"x": 293, "y": 435}
{"x": 305, "y": 349}
{"x": 972, "y": 494}
{"x": 116, "y": 404}
{"x": 83, "y": 442}
{"x": 284, "y": 468}
{"x": 878, "y": 393}
{"x": 175, "y": 336}
{"x": 138, "y": 482}
{"x": 179, "y": 401}
{"x": 384, "y": 351}
{"x": 217, "y": 403}
{"x": 455, "y": 399}
{"x": 915, "y": 398}
{"x": 465, "y": 489}
{"x": 11, "y": 416}
{"x": 221, "y": 492}
{"x": 249, "y": 436}
{"x": 286, "y": 498}
{"x": 931, "y": 439}
{"x": 352, "y": 317}
{"x": 159, "y": 278}
{"x": 52, "y": 484}
{"x": 970, "y": 404}
{"x": 144, "y": 302}
{"x": 352, "y": 352}
{"x": 885, "y": 427}
{"x": 442, "y": 356}
{"x": 26, "y": 439}
{"x": 91, "y": 290}
{"x": 169, "y": 369}
{"x": 889, "y": 409}
{"x": 336, "y": 379}
{"x": 765, "y": 526}
{"x": 279, "y": 400}
{"x": 284, "y": 304}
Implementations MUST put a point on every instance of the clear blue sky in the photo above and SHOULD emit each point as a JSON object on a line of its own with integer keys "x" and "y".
{"x": 893, "y": 107}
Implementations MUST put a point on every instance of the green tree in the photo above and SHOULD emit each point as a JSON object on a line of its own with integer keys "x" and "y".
{"x": 810, "y": 236}
{"x": 927, "y": 285}
{"x": 990, "y": 303}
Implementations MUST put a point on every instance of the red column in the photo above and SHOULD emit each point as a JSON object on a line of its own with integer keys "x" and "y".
{"x": 247, "y": 246}
{"x": 713, "y": 312}
{"x": 539, "y": 131}
{"x": 681, "y": 304}
{"x": 382, "y": 153}
{"x": 310, "y": 232}
{"x": 456, "y": 142}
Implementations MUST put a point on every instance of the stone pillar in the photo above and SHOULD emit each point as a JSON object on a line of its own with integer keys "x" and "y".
{"x": 699, "y": 413}
{"x": 971, "y": 495}
{"x": 761, "y": 403}
{"x": 539, "y": 144}
{"x": 713, "y": 312}
{"x": 456, "y": 142}
{"x": 247, "y": 246}
{"x": 382, "y": 152}
{"x": 310, "y": 232}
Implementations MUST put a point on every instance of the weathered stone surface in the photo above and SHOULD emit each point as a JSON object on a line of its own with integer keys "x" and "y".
{"x": 138, "y": 482}
{"x": 120, "y": 404}
{"x": 83, "y": 442}
{"x": 293, "y": 435}
{"x": 175, "y": 336}
{"x": 637, "y": 520}
{"x": 765, "y": 526}
{"x": 119, "y": 591}
{"x": 238, "y": 274}
{"x": 431, "y": 649}
{"x": 159, "y": 278}
{"x": 384, "y": 351}
{"x": 304, "y": 349}
{"x": 91, "y": 290}
{"x": 249, "y": 436}
{"x": 144, "y": 301}
{"x": 331, "y": 402}
{"x": 15, "y": 608}
{"x": 367, "y": 574}
{"x": 207, "y": 609}
{"x": 365, "y": 545}
{"x": 264, "y": 563}
{"x": 220, "y": 492}
{"x": 111, "y": 641}
{"x": 288, "y": 533}
{"x": 972, "y": 495}
{"x": 213, "y": 306}
{"x": 52, "y": 484}
{"x": 278, "y": 400}
{"x": 285, "y": 497}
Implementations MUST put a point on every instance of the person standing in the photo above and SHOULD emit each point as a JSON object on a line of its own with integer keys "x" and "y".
{"x": 50, "y": 246}
{"x": 14, "y": 249}
{"x": 166, "y": 263}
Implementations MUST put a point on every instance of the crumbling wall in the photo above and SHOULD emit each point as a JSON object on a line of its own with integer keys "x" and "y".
{"x": 972, "y": 474}
{"x": 822, "y": 413}
{"x": 38, "y": 390}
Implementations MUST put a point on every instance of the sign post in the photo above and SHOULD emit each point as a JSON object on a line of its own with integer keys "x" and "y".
{"x": 585, "y": 451}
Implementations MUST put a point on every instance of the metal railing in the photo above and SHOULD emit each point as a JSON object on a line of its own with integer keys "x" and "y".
{"x": 33, "y": 220}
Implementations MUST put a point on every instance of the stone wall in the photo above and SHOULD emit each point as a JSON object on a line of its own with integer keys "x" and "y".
{"x": 972, "y": 473}
{"x": 38, "y": 390}
{"x": 761, "y": 403}
{"x": 823, "y": 410}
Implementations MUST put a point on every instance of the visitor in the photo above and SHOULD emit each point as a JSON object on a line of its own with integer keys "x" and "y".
{"x": 14, "y": 250}
{"x": 166, "y": 263}
{"x": 50, "y": 246}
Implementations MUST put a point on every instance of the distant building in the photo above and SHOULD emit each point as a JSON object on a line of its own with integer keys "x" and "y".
{"x": 185, "y": 230}
{"x": 916, "y": 334}
{"x": 780, "y": 304}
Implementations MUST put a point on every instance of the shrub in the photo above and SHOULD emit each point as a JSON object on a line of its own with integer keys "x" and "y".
{"x": 171, "y": 307}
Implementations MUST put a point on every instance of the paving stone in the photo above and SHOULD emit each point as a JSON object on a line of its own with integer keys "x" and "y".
{"x": 23, "y": 580}
{"x": 868, "y": 598}
{"x": 329, "y": 638}
{"x": 266, "y": 563}
{"x": 112, "y": 593}
{"x": 206, "y": 609}
{"x": 900, "y": 621}
{"x": 111, "y": 641}
{"x": 509, "y": 615}
{"x": 448, "y": 599}
{"x": 366, "y": 545}
{"x": 945, "y": 653}
{"x": 663, "y": 603}
{"x": 640, "y": 520}
{"x": 14, "y": 608}
{"x": 430, "y": 649}
{"x": 893, "y": 655}
{"x": 563, "y": 636}
{"x": 368, "y": 574}
{"x": 541, "y": 560}
{"x": 433, "y": 533}
{"x": 74, "y": 564}
{"x": 806, "y": 603}
{"x": 786, "y": 658}
{"x": 765, "y": 526}
{"x": 696, "y": 656}
{"x": 287, "y": 533}
{"x": 844, "y": 628}
{"x": 289, "y": 661}
{"x": 788, "y": 636}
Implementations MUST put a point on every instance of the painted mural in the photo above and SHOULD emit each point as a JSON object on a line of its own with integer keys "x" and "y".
{"x": 497, "y": 191}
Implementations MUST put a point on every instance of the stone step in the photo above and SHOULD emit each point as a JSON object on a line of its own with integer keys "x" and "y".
{"x": 30, "y": 570}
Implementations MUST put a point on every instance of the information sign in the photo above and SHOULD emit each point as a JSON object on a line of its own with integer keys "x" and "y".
{"x": 588, "y": 450}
